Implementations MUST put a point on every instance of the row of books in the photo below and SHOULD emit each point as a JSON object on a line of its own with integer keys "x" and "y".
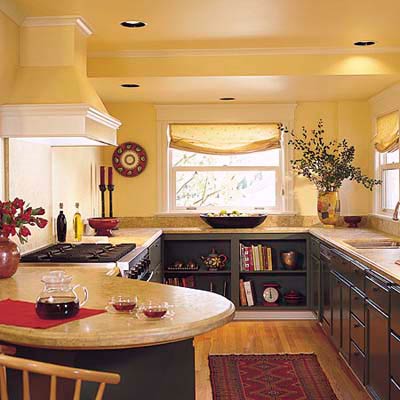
{"x": 187, "y": 281}
{"x": 247, "y": 293}
{"x": 255, "y": 258}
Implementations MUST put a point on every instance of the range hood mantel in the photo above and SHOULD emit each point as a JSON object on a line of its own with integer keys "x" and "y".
{"x": 70, "y": 121}
{"x": 51, "y": 96}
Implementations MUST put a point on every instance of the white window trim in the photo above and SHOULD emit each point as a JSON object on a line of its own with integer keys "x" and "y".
{"x": 222, "y": 113}
{"x": 384, "y": 103}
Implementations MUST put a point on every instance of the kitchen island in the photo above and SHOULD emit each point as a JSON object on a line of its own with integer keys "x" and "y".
{"x": 155, "y": 358}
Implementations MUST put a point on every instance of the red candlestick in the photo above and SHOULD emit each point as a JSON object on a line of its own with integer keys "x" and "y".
{"x": 102, "y": 175}
{"x": 110, "y": 176}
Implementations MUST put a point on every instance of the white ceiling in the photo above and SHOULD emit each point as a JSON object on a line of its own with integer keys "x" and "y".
{"x": 229, "y": 23}
{"x": 166, "y": 90}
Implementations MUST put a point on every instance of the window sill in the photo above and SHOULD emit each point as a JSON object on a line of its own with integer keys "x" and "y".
{"x": 386, "y": 217}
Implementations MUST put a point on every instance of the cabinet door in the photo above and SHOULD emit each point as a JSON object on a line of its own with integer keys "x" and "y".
{"x": 336, "y": 310}
{"x": 326, "y": 295}
{"x": 345, "y": 294}
{"x": 315, "y": 287}
{"x": 378, "y": 377}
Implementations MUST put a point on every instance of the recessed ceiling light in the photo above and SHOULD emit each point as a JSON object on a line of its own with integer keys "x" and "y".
{"x": 130, "y": 85}
{"x": 364, "y": 43}
{"x": 133, "y": 24}
{"x": 227, "y": 98}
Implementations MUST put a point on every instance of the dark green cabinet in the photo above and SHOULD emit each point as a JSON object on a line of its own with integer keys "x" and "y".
{"x": 325, "y": 290}
{"x": 340, "y": 313}
{"x": 315, "y": 287}
{"x": 378, "y": 374}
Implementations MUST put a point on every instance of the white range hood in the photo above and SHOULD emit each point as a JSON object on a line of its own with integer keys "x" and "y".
{"x": 52, "y": 100}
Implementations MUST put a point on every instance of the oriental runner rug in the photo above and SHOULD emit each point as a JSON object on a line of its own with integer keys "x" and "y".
{"x": 268, "y": 377}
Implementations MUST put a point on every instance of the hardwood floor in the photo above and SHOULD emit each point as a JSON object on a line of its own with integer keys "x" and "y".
{"x": 274, "y": 337}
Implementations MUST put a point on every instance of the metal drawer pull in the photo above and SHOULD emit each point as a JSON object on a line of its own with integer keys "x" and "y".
{"x": 356, "y": 354}
{"x": 356, "y": 298}
{"x": 375, "y": 289}
{"x": 357, "y": 326}
{"x": 151, "y": 275}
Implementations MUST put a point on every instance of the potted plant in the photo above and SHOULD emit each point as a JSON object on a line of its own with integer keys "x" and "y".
{"x": 326, "y": 164}
{"x": 14, "y": 218}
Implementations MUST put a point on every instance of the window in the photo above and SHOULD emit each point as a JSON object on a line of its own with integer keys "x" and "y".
{"x": 386, "y": 143}
{"x": 200, "y": 181}
{"x": 214, "y": 182}
{"x": 389, "y": 173}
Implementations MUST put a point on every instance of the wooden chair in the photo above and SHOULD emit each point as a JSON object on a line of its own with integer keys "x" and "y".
{"x": 52, "y": 370}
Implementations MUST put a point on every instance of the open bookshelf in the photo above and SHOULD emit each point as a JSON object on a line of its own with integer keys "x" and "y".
{"x": 190, "y": 247}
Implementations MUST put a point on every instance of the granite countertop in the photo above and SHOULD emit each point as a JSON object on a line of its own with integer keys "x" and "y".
{"x": 380, "y": 260}
{"x": 196, "y": 312}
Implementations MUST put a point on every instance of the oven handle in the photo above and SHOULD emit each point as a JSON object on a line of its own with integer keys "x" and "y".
{"x": 150, "y": 277}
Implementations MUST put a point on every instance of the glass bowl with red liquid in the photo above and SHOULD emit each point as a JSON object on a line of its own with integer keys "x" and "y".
{"x": 153, "y": 310}
{"x": 122, "y": 304}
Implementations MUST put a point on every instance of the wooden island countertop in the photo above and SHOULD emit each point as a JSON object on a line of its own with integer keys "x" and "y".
{"x": 196, "y": 312}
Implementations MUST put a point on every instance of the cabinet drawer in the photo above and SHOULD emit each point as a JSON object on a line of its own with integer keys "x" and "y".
{"x": 377, "y": 291}
{"x": 357, "y": 362}
{"x": 357, "y": 332}
{"x": 395, "y": 309}
{"x": 395, "y": 356}
{"x": 358, "y": 305}
{"x": 394, "y": 390}
{"x": 315, "y": 248}
{"x": 341, "y": 264}
{"x": 357, "y": 276}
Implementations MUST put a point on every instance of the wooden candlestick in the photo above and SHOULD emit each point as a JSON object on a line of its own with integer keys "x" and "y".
{"x": 103, "y": 189}
{"x": 110, "y": 190}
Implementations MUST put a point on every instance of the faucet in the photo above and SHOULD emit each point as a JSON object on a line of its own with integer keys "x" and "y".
{"x": 396, "y": 212}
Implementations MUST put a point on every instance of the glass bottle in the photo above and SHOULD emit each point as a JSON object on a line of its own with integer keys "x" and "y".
{"x": 78, "y": 224}
{"x": 61, "y": 225}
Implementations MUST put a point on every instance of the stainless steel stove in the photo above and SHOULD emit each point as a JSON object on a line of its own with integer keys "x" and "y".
{"x": 132, "y": 262}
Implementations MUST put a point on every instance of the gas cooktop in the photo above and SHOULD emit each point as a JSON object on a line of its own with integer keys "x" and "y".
{"x": 79, "y": 253}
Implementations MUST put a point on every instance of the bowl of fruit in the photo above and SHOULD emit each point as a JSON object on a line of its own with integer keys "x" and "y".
{"x": 234, "y": 219}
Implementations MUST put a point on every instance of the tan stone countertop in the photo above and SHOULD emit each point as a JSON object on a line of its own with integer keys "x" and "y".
{"x": 379, "y": 260}
{"x": 196, "y": 312}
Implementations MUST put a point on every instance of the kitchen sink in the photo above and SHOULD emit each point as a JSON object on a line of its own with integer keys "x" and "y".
{"x": 373, "y": 244}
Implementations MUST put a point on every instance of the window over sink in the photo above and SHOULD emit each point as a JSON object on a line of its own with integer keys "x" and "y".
{"x": 224, "y": 157}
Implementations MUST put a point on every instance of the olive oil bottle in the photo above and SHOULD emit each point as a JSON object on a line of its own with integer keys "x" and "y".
{"x": 78, "y": 224}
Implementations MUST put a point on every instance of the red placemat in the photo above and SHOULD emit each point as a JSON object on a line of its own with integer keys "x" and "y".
{"x": 22, "y": 313}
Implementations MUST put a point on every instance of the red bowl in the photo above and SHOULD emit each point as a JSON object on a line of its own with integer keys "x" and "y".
{"x": 103, "y": 226}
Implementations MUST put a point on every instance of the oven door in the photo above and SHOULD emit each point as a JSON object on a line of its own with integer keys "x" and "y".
{"x": 153, "y": 275}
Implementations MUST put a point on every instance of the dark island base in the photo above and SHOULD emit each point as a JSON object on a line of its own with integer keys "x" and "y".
{"x": 164, "y": 372}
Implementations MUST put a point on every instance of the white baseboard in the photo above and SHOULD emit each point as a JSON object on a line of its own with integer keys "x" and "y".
{"x": 274, "y": 315}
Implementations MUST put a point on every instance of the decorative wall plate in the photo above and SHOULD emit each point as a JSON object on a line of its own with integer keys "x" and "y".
{"x": 129, "y": 159}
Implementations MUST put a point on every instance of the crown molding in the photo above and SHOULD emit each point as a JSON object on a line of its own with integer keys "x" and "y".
{"x": 63, "y": 20}
{"x": 240, "y": 52}
{"x": 10, "y": 8}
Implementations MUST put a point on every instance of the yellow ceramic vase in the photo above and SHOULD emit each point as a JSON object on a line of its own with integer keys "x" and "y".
{"x": 328, "y": 207}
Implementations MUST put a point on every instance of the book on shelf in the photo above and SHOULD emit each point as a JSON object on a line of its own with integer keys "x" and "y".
{"x": 187, "y": 282}
{"x": 242, "y": 293}
{"x": 248, "y": 288}
{"x": 255, "y": 258}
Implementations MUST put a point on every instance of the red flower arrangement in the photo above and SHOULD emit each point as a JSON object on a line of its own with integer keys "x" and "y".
{"x": 14, "y": 216}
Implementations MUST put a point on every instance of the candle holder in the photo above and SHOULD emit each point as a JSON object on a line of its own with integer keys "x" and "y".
{"x": 103, "y": 189}
{"x": 111, "y": 189}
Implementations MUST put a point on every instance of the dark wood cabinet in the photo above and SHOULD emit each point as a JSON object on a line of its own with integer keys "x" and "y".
{"x": 315, "y": 287}
{"x": 378, "y": 375}
{"x": 325, "y": 291}
{"x": 340, "y": 312}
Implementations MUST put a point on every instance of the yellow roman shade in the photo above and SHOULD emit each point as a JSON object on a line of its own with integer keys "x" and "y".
{"x": 224, "y": 138}
{"x": 387, "y": 132}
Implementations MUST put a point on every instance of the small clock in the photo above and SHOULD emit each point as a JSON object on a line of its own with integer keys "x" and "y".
{"x": 271, "y": 294}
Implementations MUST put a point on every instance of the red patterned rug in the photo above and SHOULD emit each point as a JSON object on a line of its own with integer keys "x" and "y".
{"x": 269, "y": 377}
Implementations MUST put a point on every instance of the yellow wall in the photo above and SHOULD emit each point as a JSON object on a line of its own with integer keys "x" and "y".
{"x": 138, "y": 196}
{"x": 9, "y": 50}
{"x": 135, "y": 196}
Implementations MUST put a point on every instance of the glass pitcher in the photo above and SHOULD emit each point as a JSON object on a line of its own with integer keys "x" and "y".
{"x": 58, "y": 299}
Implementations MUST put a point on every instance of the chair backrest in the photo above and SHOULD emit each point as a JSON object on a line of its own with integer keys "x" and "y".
{"x": 54, "y": 371}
